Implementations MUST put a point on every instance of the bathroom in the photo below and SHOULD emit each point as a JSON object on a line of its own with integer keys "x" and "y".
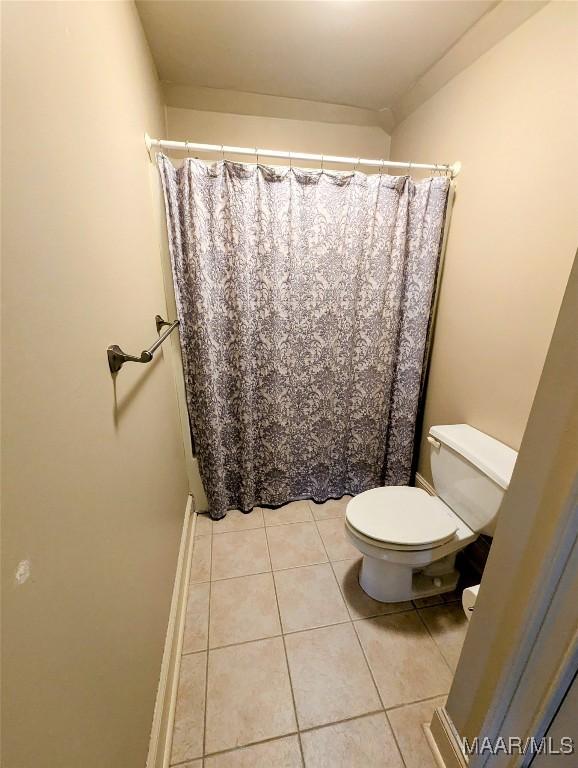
{"x": 343, "y": 235}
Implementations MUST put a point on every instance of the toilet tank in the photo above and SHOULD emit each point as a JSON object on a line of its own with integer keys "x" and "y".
{"x": 471, "y": 473}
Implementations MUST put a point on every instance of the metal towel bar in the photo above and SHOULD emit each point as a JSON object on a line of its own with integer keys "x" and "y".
{"x": 117, "y": 358}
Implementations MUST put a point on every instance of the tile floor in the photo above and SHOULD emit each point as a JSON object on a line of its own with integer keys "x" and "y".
{"x": 287, "y": 662}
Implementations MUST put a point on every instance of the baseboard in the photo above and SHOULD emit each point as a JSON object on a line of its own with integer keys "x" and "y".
{"x": 164, "y": 713}
{"x": 443, "y": 739}
{"x": 433, "y": 746}
{"x": 420, "y": 482}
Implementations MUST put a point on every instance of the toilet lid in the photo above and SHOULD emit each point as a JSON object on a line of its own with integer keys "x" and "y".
{"x": 401, "y": 516}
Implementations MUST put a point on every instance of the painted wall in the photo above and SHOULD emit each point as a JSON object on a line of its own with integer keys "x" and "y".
{"x": 511, "y": 119}
{"x": 277, "y": 133}
{"x": 94, "y": 482}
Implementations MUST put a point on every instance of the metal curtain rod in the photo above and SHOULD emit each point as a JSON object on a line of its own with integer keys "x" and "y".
{"x": 187, "y": 146}
{"x": 117, "y": 358}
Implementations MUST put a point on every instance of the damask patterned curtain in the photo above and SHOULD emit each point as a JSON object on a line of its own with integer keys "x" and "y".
{"x": 304, "y": 299}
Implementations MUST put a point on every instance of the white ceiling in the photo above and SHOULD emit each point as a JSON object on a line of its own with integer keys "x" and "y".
{"x": 361, "y": 54}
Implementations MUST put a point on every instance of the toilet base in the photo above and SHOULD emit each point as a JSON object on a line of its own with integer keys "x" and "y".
{"x": 390, "y": 582}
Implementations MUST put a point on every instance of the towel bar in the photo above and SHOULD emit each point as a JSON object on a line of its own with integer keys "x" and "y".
{"x": 117, "y": 358}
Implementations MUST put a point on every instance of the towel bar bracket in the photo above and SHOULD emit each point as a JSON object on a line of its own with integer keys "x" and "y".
{"x": 117, "y": 357}
{"x": 160, "y": 323}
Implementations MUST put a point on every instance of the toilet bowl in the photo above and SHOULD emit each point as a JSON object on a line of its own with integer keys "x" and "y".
{"x": 408, "y": 538}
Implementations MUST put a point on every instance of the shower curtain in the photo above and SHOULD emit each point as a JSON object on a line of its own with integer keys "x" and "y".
{"x": 304, "y": 300}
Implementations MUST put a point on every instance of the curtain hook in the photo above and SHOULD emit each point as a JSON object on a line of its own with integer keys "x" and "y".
{"x": 222, "y": 153}
{"x": 322, "y": 160}
{"x": 257, "y": 153}
{"x": 409, "y": 169}
{"x": 381, "y": 166}
{"x": 356, "y": 164}
{"x": 290, "y": 161}
{"x": 187, "y": 148}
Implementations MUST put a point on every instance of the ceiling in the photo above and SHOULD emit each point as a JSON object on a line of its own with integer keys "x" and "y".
{"x": 360, "y": 54}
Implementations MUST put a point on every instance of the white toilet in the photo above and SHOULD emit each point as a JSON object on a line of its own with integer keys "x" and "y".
{"x": 409, "y": 539}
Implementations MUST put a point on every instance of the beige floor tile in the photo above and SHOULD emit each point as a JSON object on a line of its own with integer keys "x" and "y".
{"x": 366, "y": 742}
{"x": 203, "y": 525}
{"x": 405, "y": 661}
{"x": 329, "y": 509}
{"x": 201, "y": 561}
{"x": 193, "y": 764}
{"x": 359, "y": 604}
{"x": 240, "y": 553}
{"x": 235, "y": 520}
{"x": 281, "y": 753}
{"x": 448, "y": 625}
{"x": 330, "y": 677}
{"x": 294, "y": 545}
{"x": 243, "y": 609}
{"x": 309, "y": 597}
{"x": 294, "y": 512}
{"x": 190, "y": 712}
{"x": 406, "y": 723}
{"x": 336, "y": 542}
{"x": 248, "y": 695}
{"x": 197, "y": 618}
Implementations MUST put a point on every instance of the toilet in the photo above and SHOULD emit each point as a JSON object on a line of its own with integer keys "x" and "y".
{"x": 408, "y": 538}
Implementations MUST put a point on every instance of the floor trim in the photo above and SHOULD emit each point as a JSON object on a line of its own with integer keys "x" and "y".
{"x": 443, "y": 739}
{"x": 164, "y": 713}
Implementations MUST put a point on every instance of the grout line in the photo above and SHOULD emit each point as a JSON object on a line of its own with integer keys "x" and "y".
{"x": 434, "y": 641}
{"x": 377, "y": 689}
{"x": 275, "y": 570}
{"x": 371, "y": 615}
{"x": 241, "y": 575}
{"x": 241, "y": 747}
{"x": 342, "y": 591}
{"x": 295, "y": 631}
{"x": 207, "y": 667}
{"x": 286, "y": 658}
{"x": 393, "y": 733}
{"x": 323, "y": 544}
{"x": 343, "y": 720}
{"x": 368, "y": 665}
{"x": 417, "y": 701}
{"x": 238, "y": 530}
{"x": 269, "y": 637}
{"x": 313, "y": 519}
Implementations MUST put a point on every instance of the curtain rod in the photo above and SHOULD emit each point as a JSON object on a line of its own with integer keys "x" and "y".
{"x": 187, "y": 146}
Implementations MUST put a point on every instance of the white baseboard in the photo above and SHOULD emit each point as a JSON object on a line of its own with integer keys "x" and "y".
{"x": 420, "y": 482}
{"x": 443, "y": 740}
{"x": 164, "y": 713}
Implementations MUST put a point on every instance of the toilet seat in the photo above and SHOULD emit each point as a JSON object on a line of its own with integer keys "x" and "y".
{"x": 400, "y": 517}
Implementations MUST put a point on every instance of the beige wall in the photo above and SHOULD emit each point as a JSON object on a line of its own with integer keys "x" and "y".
{"x": 94, "y": 483}
{"x": 511, "y": 119}
{"x": 277, "y": 133}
